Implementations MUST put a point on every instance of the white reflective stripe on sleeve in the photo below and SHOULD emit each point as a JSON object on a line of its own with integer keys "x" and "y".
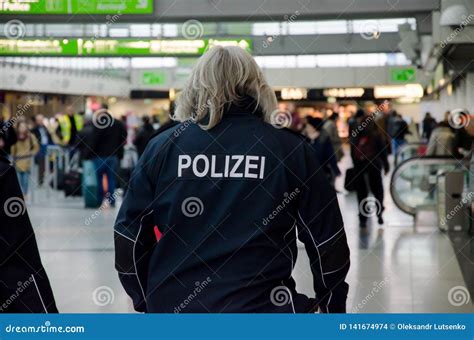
{"x": 39, "y": 293}
{"x": 134, "y": 260}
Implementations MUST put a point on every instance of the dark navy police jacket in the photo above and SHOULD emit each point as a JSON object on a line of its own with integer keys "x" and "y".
{"x": 211, "y": 219}
{"x": 24, "y": 285}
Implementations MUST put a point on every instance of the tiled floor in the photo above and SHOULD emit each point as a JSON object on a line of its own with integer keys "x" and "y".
{"x": 395, "y": 267}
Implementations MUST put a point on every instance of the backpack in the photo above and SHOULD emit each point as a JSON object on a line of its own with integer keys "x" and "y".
{"x": 364, "y": 148}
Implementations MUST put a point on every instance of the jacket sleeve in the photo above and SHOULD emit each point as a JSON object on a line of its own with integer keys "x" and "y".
{"x": 321, "y": 229}
{"x": 134, "y": 231}
{"x": 12, "y": 136}
{"x": 24, "y": 285}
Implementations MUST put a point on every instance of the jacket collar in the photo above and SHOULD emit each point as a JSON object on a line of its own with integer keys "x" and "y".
{"x": 246, "y": 105}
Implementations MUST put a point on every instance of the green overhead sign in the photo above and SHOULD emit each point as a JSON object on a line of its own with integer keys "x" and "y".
{"x": 403, "y": 75}
{"x": 153, "y": 78}
{"x": 114, "y": 47}
{"x": 76, "y": 7}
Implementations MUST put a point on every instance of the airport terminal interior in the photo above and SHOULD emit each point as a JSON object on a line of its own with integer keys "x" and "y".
{"x": 407, "y": 65}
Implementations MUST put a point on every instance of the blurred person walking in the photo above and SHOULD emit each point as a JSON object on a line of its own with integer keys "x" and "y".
{"x": 44, "y": 138}
{"x": 144, "y": 135}
{"x": 322, "y": 146}
{"x": 8, "y": 135}
{"x": 369, "y": 155}
{"x": 428, "y": 125}
{"x": 398, "y": 131}
{"x": 69, "y": 125}
{"x": 463, "y": 141}
{"x": 330, "y": 126}
{"x": 383, "y": 119}
{"x": 441, "y": 142}
{"x": 108, "y": 137}
{"x": 23, "y": 153}
{"x": 90, "y": 184}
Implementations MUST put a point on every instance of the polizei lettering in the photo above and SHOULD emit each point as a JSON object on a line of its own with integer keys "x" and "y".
{"x": 221, "y": 166}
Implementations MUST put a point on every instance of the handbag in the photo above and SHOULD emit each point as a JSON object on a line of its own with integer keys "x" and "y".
{"x": 349, "y": 180}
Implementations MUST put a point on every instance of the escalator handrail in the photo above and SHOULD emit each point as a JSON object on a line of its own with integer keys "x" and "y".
{"x": 396, "y": 172}
{"x": 406, "y": 146}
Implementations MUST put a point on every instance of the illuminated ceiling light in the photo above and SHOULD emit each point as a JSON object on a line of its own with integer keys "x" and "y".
{"x": 449, "y": 89}
{"x": 356, "y": 92}
{"x": 407, "y": 100}
{"x": 399, "y": 91}
{"x": 294, "y": 94}
{"x": 453, "y": 15}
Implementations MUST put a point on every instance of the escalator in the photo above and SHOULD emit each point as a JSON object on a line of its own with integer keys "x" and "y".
{"x": 410, "y": 150}
{"x": 413, "y": 183}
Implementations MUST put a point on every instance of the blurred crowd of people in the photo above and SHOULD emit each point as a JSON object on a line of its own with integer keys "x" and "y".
{"x": 373, "y": 136}
{"x": 99, "y": 138}
{"x": 447, "y": 138}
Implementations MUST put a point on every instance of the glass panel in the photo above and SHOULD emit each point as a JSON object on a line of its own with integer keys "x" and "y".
{"x": 332, "y": 60}
{"x": 170, "y": 30}
{"x": 410, "y": 150}
{"x": 142, "y": 30}
{"x": 153, "y": 62}
{"x": 413, "y": 186}
{"x": 266, "y": 28}
{"x": 331, "y": 27}
{"x": 302, "y": 27}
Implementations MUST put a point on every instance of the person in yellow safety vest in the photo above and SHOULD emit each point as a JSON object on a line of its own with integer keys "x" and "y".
{"x": 70, "y": 124}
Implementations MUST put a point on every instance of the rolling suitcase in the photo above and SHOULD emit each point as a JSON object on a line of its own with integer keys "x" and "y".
{"x": 72, "y": 183}
{"x": 90, "y": 187}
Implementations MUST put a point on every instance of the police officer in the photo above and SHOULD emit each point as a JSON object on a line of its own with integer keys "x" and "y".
{"x": 217, "y": 203}
{"x": 24, "y": 286}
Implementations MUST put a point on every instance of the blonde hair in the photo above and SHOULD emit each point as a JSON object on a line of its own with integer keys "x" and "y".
{"x": 222, "y": 76}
